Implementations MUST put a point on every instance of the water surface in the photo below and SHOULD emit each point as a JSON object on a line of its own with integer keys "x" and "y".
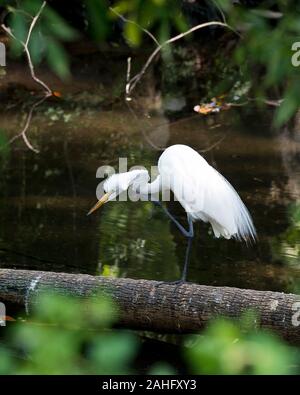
{"x": 45, "y": 197}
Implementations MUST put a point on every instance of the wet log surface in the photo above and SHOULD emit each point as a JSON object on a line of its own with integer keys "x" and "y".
{"x": 159, "y": 306}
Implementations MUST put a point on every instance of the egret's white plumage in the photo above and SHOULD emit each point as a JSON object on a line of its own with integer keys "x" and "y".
{"x": 201, "y": 190}
{"x": 204, "y": 193}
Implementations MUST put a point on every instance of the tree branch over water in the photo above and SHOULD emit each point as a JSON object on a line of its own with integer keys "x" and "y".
{"x": 160, "y": 306}
{"x": 47, "y": 90}
{"x": 134, "y": 80}
{"x": 136, "y": 24}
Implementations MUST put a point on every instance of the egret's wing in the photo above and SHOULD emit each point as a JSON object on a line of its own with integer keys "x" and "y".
{"x": 223, "y": 205}
{"x": 204, "y": 193}
{"x": 182, "y": 172}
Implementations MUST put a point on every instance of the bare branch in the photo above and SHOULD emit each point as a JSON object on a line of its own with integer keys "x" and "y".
{"x": 128, "y": 74}
{"x": 47, "y": 90}
{"x": 136, "y": 24}
{"x": 269, "y": 102}
{"x": 26, "y": 49}
{"x": 212, "y": 146}
{"x": 10, "y": 33}
{"x": 33, "y": 75}
{"x": 34, "y": 21}
{"x": 134, "y": 80}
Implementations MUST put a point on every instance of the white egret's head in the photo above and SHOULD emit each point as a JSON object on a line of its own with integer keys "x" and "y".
{"x": 120, "y": 182}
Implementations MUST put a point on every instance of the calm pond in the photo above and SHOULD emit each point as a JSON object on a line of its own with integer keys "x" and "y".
{"x": 45, "y": 196}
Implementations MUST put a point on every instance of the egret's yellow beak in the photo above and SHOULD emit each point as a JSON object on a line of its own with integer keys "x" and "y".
{"x": 100, "y": 202}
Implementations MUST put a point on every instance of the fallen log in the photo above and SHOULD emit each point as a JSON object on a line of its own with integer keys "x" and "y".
{"x": 159, "y": 306}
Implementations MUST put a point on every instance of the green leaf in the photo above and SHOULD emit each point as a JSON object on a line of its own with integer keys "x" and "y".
{"x": 37, "y": 46}
{"x": 98, "y": 13}
{"x": 58, "y": 59}
{"x": 290, "y": 104}
{"x": 133, "y": 34}
{"x": 32, "y": 7}
{"x": 224, "y": 4}
{"x": 164, "y": 31}
{"x": 17, "y": 22}
{"x": 180, "y": 23}
{"x": 58, "y": 26}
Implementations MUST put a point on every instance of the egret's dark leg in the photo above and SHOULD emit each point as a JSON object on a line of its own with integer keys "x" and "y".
{"x": 188, "y": 234}
{"x": 173, "y": 219}
{"x": 188, "y": 250}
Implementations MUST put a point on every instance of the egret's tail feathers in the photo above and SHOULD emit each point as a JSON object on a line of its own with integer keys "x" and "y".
{"x": 237, "y": 221}
{"x": 245, "y": 228}
{"x": 245, "y": 231}
{"x": 220, "y": 230}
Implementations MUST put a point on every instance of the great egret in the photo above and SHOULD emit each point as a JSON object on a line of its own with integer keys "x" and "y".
{"x": 201, "y": 190}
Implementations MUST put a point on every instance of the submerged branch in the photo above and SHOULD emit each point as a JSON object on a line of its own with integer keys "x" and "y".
{"x": 23, "y": 133}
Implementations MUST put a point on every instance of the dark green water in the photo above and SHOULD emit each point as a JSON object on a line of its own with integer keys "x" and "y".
{"x": 45, "y": 196}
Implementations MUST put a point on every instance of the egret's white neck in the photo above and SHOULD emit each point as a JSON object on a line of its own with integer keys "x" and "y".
{"x": 151, "y": 188}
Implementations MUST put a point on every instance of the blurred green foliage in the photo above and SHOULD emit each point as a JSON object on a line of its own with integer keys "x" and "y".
{"x": 47, "y": 36}
{"x": 263, "y": 52}
{"x": 226, "y": 347}
{"x": 161, "y": 15}
{"x": 98, "y": 18}
{"x": 67, "y": 335}
{"x": 52, "y": 30}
